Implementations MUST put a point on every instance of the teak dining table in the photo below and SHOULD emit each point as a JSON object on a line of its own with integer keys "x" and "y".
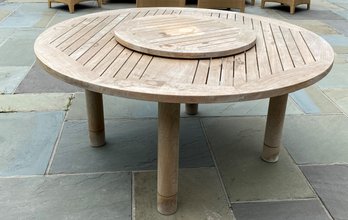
{"x": 183, "y": 55}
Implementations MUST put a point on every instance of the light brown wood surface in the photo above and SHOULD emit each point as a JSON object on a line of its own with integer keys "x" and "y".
{"x": 160, "y": 3}
{"x": 168, "y": 157}
{"x": 71, "y": 3}
{"x": 238, "y": 4}
{"x": 286, "y": 58}
{"x": 189, "y": 37}
{"x": 291, "y": 3}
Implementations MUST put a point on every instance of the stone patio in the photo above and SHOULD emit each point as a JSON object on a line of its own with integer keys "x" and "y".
{"x": 48, "y": 170}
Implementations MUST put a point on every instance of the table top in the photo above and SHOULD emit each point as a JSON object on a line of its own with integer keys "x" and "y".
{"x": 83, "y": 51}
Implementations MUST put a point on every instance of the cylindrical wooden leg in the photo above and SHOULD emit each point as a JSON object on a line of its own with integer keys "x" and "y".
{"x": 191, "y": 109}
{"x": 262, "y": 3}
{"x": 292, "y": 9}
{"x": 95, "y": 113}
{"x": 274, "y": 128}
{"x": 168, "y": 157}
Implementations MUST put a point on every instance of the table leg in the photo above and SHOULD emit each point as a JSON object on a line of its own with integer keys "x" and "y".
{"x": 95, "y": 114}
{"x": 191, "y": 109}
{"x": 168, "y": 157}
{"x": 274, "y": 128}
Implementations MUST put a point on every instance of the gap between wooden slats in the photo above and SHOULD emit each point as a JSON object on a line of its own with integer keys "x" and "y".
{"x": 84, "y": 31}
{"x": 295, "y": 54}
{"x": 201, "y": 73}
{"x": 117, "y": 63}
{"x": 251, "y": 65}
{"x": 302, "y": 46}
{"x": 214, "y": 73}
{"x": 312, "y": 43}
{"x": 62, "y": 38}
{"x": 102, "y": 48}
{"x": 85, "y": 53}
{"x": 282, "y": 48}
{"x": 101, "y": 62}
{"x": 128, "y": 66}
{"x": 139, "y": 69}
{"x": 87, "y": 40}
{"x": 151, "y": 12}
{"x": 261, "y": 51}
{"x": 271, "y": 47}
{"x": 60, "y": 31}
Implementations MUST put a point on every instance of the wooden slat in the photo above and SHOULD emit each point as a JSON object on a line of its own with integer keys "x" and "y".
{"x": 252, "y": 70}
{"x": 117, "y": 63}
{"x": 239, "y": 70}
{"x": 124, "y": 71}
{"x": 306, "y": 54}
{"x": 291, "y": 45}
{"x": 102, "y": 43}
{"x": 227, "y": 71}
{"x": 163, "y": 69}
{"x": 202, "y": 72}
{"x": 261, "y": 52}
{"x": 272, "y": 52}
{"x": 282, "y": 48}
{"x": 312, "y": 44}
{"x": 214, "y": 73}
{"x": 62, "y": 38}
{"x": 140, "y": 67}
{"x": 79, "y": 35}
{"x": 101, "y": 62}
{"x": 98, "y": 35}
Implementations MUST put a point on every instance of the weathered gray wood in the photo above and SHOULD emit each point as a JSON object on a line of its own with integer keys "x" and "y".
{"x": 191, "y": 109}
{"x": 95, "y": 113}
{"x": 168, "y": 157}
{"x": 274, "y": 128}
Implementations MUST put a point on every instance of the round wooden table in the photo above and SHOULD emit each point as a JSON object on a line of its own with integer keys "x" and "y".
{"x": 83, "y": 51}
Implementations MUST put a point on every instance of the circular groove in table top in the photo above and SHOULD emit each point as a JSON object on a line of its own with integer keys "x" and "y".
{"x": 188, "y": 37}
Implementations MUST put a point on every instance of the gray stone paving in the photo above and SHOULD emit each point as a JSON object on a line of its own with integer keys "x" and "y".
{"x": 48, "y": 170}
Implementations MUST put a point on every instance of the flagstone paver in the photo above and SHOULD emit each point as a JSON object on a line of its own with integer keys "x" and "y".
{"x": 312, "y": 14}
{"x": 131, "y": 145}
{"x": 237, "y": 144}
{"x": 294, "y": 210}
{"x": 338, "y": 42}
{"x": 29, "y": 139}
{"x": 313, "y": 101}
{"x": 37, "y": 81}
{"x": 200, "y": 196}
{"x": 23, "y": 57}
{"x": 316, "y": 26}
{"x": 35, "y": 102}
{"x": 317, "y": 139}
{"x": 331, "y": 184}
{"x": 339, "y": 25}
{"x": 337, "y": 77}
{"x": 91, "y": 196}
{"x": 340, "y": 97}
{"x": 11, "y": 76}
